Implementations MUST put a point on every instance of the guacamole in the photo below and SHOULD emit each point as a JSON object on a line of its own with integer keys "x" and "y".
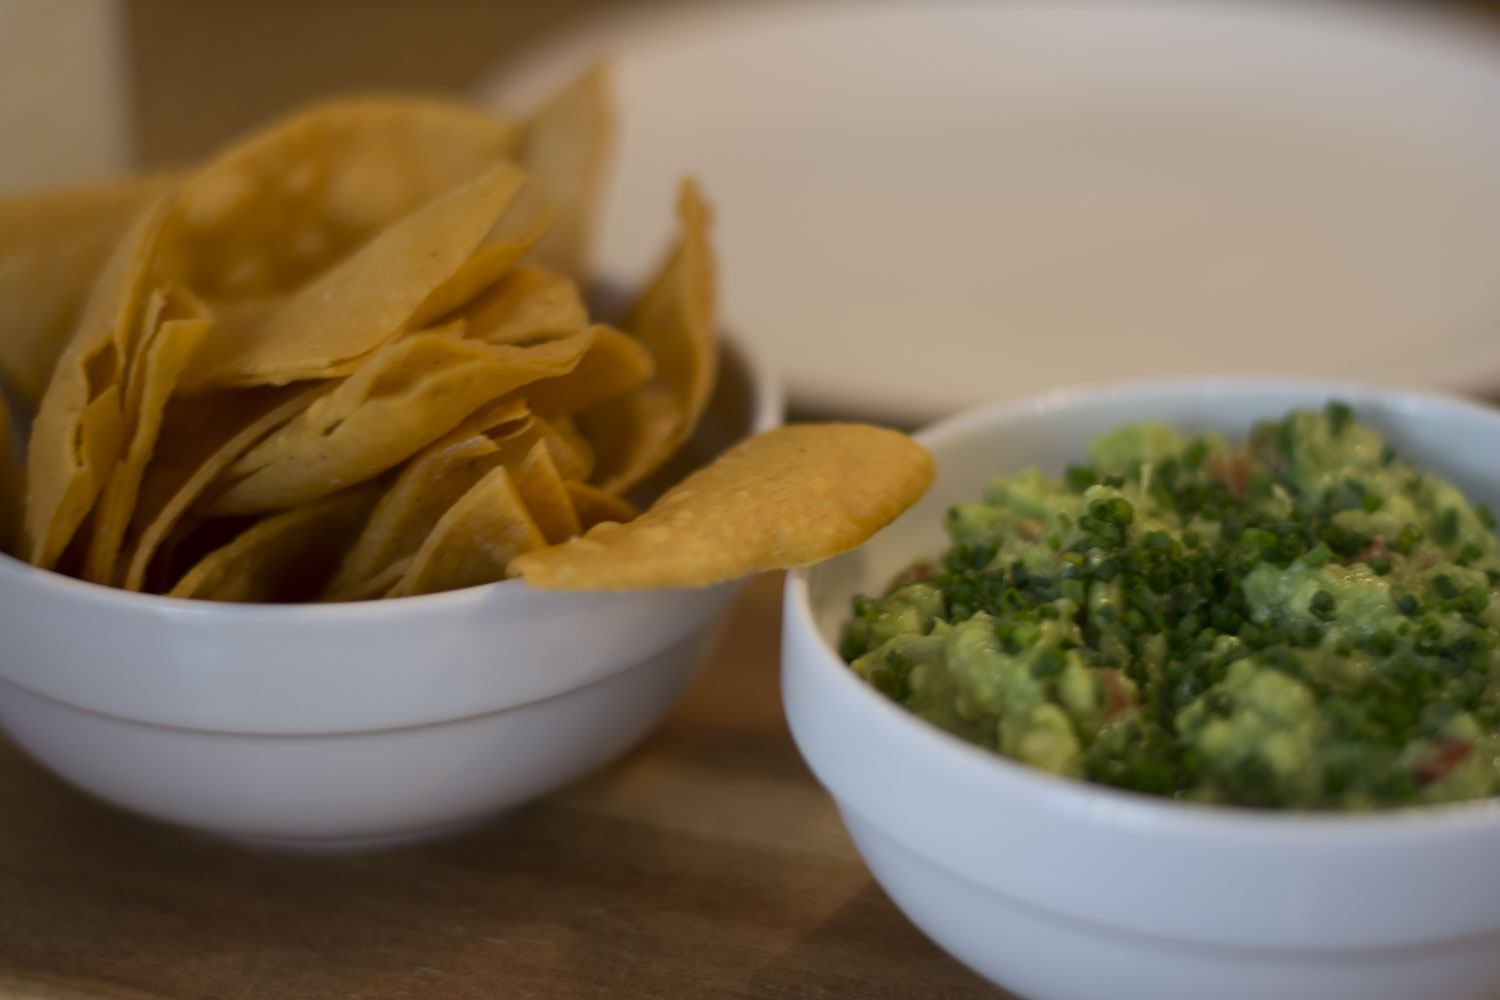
{"x": 1300, "y": 621}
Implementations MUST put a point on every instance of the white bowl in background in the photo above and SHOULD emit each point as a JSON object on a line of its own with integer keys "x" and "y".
{"x": 1062, "y": 890}
{"x": 352, "y": 724}
{"x": 1140, "y": 187}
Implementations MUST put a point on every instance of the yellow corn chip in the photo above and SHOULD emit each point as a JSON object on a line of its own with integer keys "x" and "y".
{"x": 545, "y": 495}
{"x": 53, "y": 246}
{"x": 200, "y": 437}
{"x": 496, "y": 258}
{"x": 370, "y": 588}
{"x": 594, "y": 506}
{"x": 474, "y": 541}
{"x": 614, "y": 364}
{"x": 429, "y": 484}
{"x": 565, "y": 439}
{"x": 565, "y": 147}
{"x": 531, "y": 302}
{"x": 281, "y": 206}
{"x": 784, "y": 498}
{"x": 79, "y": 428}
{"x": 674, "y": 319}
{"x": 166, "y": 356}
{"x": 328, "y": 326}
{"x": 285, "y": 557}
{"x": 406, "y": 396}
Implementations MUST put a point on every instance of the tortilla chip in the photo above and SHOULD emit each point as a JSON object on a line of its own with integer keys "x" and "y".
{"x": 325, "y": 328}
{"x": 594, "y": 506}
{"x": 285, "y": 557}
{"x": 79, "y": 429}
{"x": 53, "y": 246}
{"x": 406, "y": 396}
{"x": 674, "y": 319}
{"x": 167, "y": 355}
{"x": 200, "y": 437}
{"x": 474, "y": 541}
{"x": 281, "y": 206}
{"x": 565, "y": 147}
{"x": 614, "y": 364}
{"x": 531, "y": 302}
{"x": 545, "y": 495}
{"x": 788, "y": 497}
{"x": 429, "y": 484}
{"x": 494, "y": 259}
{"x": 565, "y": 437}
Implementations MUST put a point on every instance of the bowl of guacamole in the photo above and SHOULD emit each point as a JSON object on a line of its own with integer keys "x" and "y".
{"x": 1196, "y": 683}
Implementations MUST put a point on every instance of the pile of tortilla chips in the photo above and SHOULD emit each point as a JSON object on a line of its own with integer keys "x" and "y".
{"x": 350, "y": 358}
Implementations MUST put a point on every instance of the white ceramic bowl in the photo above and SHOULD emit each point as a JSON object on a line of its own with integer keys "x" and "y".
{"x": 1060, "y": 890}
{"x": 350, "y": 724}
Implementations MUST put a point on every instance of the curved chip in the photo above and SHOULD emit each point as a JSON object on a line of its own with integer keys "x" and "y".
{"x": 427, "y": 486}
{"x": 328, "y": 326}
{"x": 165, "y": 356}
{"x": 545, "y": 495}
{"x": 53, "y": 245}
{"x": 530, "y": 302}
{"x": 614, "y": 364}
{"x": 80, "y": 425}
{"x": 475, "y": 540}
{"x": 594, "y": 506}
{"x": 406, "y": 396}
{"x": 674, "y": 319}
{"x": 788, "y": 497}
{"x": 565, "y": 147}
{"x": 276, "y": 209}
{"x": 200, "y": 438}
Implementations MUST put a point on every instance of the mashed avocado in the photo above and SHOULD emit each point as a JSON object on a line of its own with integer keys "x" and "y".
{"x": 1300, "y": 621}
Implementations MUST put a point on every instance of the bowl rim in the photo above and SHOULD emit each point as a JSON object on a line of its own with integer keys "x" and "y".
{"x": 767, "y": 410}
{"x": 1004, "y": 775}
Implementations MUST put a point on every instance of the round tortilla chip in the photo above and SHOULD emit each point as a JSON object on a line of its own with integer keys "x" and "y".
{"x": 788, "y": 497}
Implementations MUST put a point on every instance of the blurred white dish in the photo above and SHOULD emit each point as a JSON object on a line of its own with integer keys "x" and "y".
{"x": 1061, "y": 890}
{"x": 928, "y": 205}
{"x": 349, "y": 724}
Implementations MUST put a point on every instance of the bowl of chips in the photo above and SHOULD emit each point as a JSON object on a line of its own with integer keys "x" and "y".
{"x": 329, "y": 527}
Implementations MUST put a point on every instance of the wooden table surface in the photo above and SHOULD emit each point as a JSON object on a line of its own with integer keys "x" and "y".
{"x": 706, "y": 863}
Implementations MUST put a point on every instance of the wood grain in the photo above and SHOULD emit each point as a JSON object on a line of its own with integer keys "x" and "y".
{"x": 705, "y": 864}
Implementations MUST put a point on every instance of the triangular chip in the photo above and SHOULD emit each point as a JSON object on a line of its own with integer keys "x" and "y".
{"x": 674, "y": 319}
{"x": 545, "y": 495}
{"x": 325, "y": 328}
{"x": 565, "y": 147}
{"x": 166, "y": 356}
{"x": 200, "y": 437}
{"x": 788, "y": 497}
{"x": 286, "y": 557}
{"x": 371, "y": 588}
{"x": 427, "y": 486}
{"x": 613, "y": 365}
{"x": 406, "y": 396}
{"x": 53, "y": 245}
{"x": 474, "y": 541}
{"x": 530, "y": 302}
{"x": 279, "y": 207}
{"x": 495, "y": 259}
{"x": 566, "y": 440}
{"x": 80, "y": 425}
